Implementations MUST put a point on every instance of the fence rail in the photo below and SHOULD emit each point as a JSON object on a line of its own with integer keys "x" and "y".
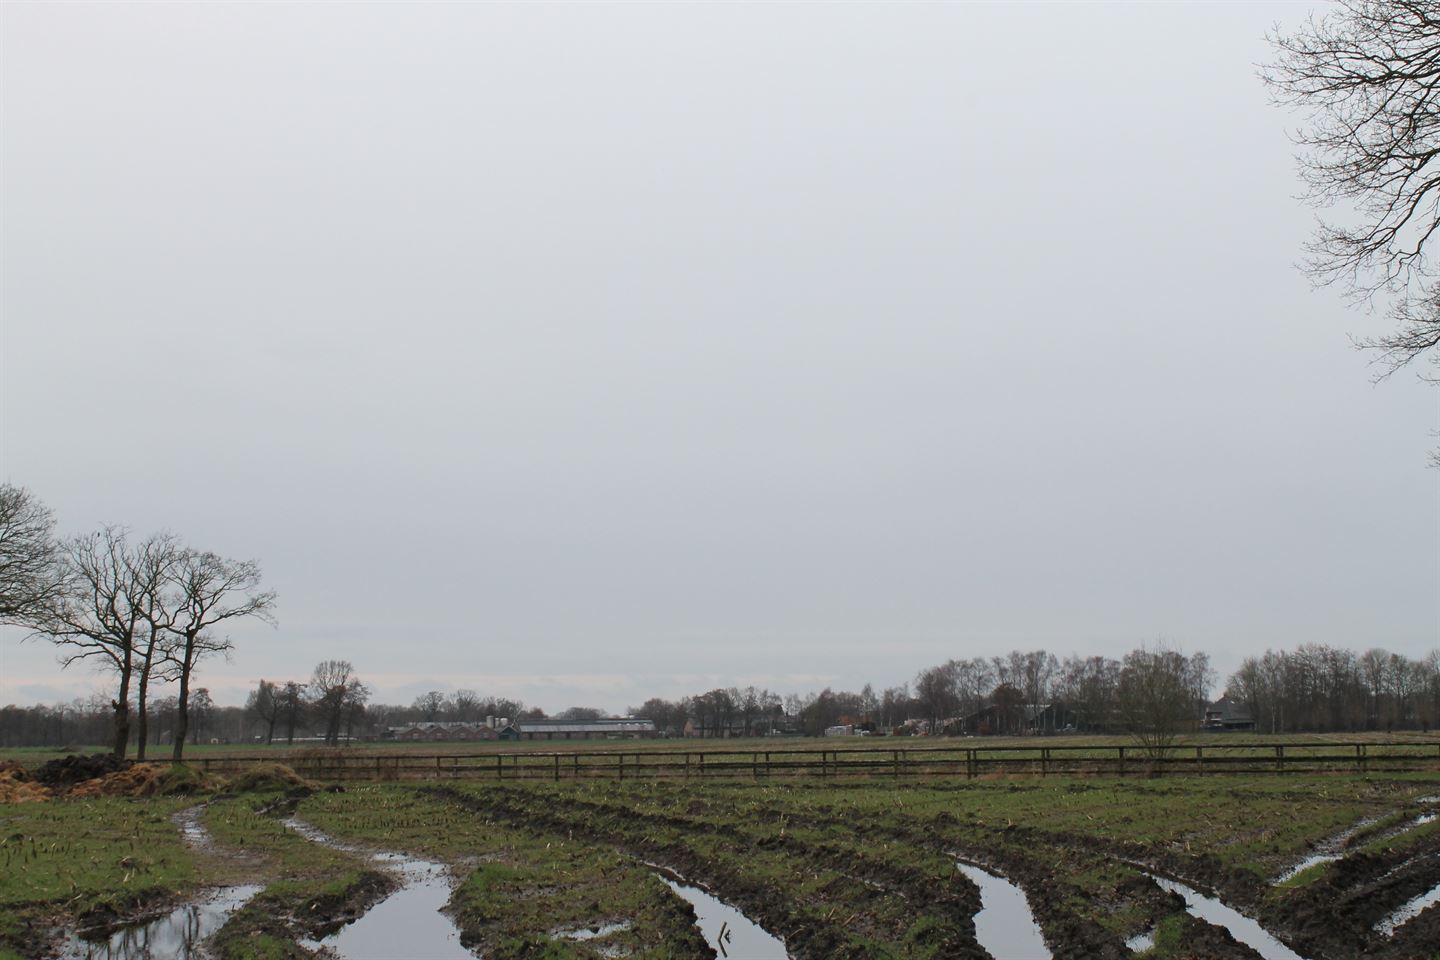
{"x": 872, "y": 762}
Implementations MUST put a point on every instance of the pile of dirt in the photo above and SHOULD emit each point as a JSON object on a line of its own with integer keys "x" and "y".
{"x": 261, "y": 777}
{"x": 149, "y": 780}
{"x": 16, "y": 786}
{"x": 137, "y": 780}
{"x": 77, "y": 768}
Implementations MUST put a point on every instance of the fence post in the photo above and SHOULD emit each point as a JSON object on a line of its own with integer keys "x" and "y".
{"x": 1122, "y": 760}
{"x": 620, "y": 767}
{"x": 499, "y": 766}
{"x": 755, "y": 766}
{"x": 557, "y": 768}
{"x": 687, "y": 764}
{"x": 895, "y": 759}
{"x": 1200, "y": 760}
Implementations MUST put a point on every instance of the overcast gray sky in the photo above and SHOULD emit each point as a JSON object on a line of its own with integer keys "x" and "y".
{"x": 587, "y": 352}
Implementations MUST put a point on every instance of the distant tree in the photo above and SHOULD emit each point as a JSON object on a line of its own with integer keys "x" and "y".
{"x": 580, "y": 714}
{"x": 209, "y": 590}
{"x": 534, "y": 713}
{"x": 430, "y": 705}
{"x": 895, "y": 705}
{"x": 353, "y": 707}
{"x": 1088, "y": 685}
{"x": 293, "y": 705}
{"x": 973, "y": 680}
{"x": 668, "y": 717}
{"x": 31, "y": 577}
{"x": 465, "y": 706}
{"x": 162, "y": 716}
{"x": 264, "y": 705}
{"x": 1009, "y": 703}
{"x": 498, "y": 707}
{"x": 935, "y": 692}
{"x": 333, "y": 688}
{"x": 201, "y": 710}
{"x": 1037, "y": 671}
{"x": 1160, "y": 693}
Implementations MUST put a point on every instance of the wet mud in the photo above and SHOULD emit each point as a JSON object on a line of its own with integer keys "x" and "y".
{"x": 954, "y": 901}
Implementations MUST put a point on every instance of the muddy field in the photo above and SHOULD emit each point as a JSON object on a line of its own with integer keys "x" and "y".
{"x": 1102, "y": 867}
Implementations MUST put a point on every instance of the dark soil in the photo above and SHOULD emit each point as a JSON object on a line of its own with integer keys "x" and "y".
{"x": 76, "y": 768}
{"x": 279, "y": 921}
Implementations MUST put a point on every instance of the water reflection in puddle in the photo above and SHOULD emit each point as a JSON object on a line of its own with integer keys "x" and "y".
{"x": 1241, "y": 927}
{"x": 1141, "y": 942}
{"x": 174, "y": 936}
{"x": 729, "y": 931}
{"x": 592, "y": 933}
{"x": 1409, "y": 911}
{"x": 408, "y": 923}
{"x": 1005, "y": 926}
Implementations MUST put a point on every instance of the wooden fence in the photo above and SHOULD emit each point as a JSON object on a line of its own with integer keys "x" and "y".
{"x": 856, "y": 762}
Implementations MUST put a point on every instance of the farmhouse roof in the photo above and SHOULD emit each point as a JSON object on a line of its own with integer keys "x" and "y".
{"x": 623, "y": 725}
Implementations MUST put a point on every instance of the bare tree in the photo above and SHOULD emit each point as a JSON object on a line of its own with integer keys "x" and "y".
{"x": 292, "y": 708}
{"x": 208, "y": 591}
{"x": 1368, "y": 75}
{"x": 101, "y": 611}
{"x": 334, "y": 692}
{"x": 1161, "y": 692}
{"x": 264, "y": 704}
{"x": 30, "y": 576}
{"x": 430, "y": 705}
{"x": 935, "y": 690}
{"x": 465, "y": 705}
{"x": 201, "y": 709}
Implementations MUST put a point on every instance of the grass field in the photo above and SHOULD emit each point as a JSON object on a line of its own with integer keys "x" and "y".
{"x": 840, "y": 869}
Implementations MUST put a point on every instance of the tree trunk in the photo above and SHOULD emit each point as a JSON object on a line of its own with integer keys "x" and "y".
{"x": 122, "y": 714}
{"x": 270, "y": 731}
{"x": 142, "y": 719}
{"x": 182, "y": 713}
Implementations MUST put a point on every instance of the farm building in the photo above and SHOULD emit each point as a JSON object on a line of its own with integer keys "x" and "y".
{"x": 625, "y": 728}
{"x": 1227, "y": 714}
{"x": 433, "y": 732}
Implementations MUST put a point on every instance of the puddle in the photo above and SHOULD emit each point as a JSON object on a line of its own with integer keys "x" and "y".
{"x": 408, "y": 923}
{"x": 1005, "y": 926}
{"x": 730, "y": 932}
{"x": 1327, "y": 851}
{"x": 1241, "y": 927}
{"x": 1314, "y": 860}
{"x": 591, "y": 933}
{"x": 1409, "y": 911}
{"x": 177, "y": 934}
{"x": 1141, "y": 942}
